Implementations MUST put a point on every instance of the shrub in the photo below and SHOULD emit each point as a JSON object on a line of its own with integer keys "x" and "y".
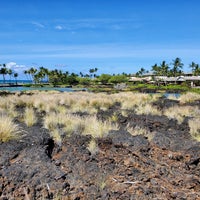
{"x": 84, "y": 81}
{"x": 104, "y": 78}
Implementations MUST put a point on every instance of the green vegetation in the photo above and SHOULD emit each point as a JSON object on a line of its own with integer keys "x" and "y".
{"x": 42, "y": 76}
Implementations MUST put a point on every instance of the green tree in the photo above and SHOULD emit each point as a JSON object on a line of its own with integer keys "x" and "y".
{"x": 92, "y": 72}
{"x": 26, "y": 74}
{"x": 104, "y": 78}
{"x": 141, "y": 72}
{"x": 84, "y": 80}
{"x": 118, "y": 79}
{"x": 164, "y": 69}
{"x": 177, "y": 66}
{"x": 72, "y": 79}
{"x": 156, "y": 69}
{"x": 15, "y": 76}
{"x": 41, "y": 75}
{"x": 10, "y": 72}
{"x": 195, "y": 69}
{"x": 3, "y": 71}
{"x": 55, "y": 76}
{"x": 32, "y": 71}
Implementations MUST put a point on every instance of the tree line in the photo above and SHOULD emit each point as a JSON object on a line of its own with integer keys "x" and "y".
{"x": 56, "y": 77}
{"x": 176, "y": 69}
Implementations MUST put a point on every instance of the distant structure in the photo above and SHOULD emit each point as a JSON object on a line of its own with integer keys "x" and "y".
{"x": 188, "y": 78}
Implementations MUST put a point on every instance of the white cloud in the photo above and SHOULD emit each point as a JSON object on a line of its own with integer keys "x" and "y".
{"x": 15, "y": 67}
{"x": 10, "y": 65}
{"x": 58, "y": 27}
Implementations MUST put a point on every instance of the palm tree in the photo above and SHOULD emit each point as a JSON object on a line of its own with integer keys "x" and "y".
{"x": 141, "y": 72}
{"x": 95, "y": 70}
{"x": 4, "y": 71}
{"x": 195, "y": 68}
{"x": 43, "y": 74}
{"x": 32, "y": 72}
{"x": 15, "y": 76}
{"x": 10, "y": 72}
{"x": 177, "y": 66}
{"x": 164, "y": 69}
{"x": 91, "y": 72}
{"x": 156, "y": 69}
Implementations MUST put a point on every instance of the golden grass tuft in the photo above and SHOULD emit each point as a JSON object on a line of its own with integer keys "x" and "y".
{"x": 53, "y": 120}
{"x": 180, "y": 112}
{"x": 93, "y": 147}
{"x": 97, "y": 128}
{"x": 195, "y": 128}
{"x": 189, "y": 97}
{"x": 55, "y": 134}
{"x": 137, "y": 130}
{"x": 8, "y": 129}
{"x": 147, "y": 109}
{"x": 114, "y": 117}
{"x": 131, "y": 100}
{"x": 74, "y": 124}
{"x": 29, "y": 117}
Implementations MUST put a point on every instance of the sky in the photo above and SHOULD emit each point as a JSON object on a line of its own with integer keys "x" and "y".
{"x": 114, "y": 36}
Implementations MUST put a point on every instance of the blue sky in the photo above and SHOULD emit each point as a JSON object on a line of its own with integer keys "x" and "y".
{"x": 113, "y": 35}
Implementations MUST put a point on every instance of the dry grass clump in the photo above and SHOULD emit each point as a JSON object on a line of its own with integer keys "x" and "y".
{"x": 56, "y": 135}
{"x": 65, "y": 123}
{"x": 189, "y": 97}
{"x": 29, "y": 117}
{"x": 74, "y": 124}
{"x": 147, "y": 109}
{"x": 131, "y": 100}
{"x": 101, "y": 101}
{"x": 195, "y": 128}
{"x": 45, "y": 102}
{"x": 53, "y": 120}
{"x": 8, "y": 129}
{"x": 140, "y": 131}
{"x": 180, "y": 112}
{"x": 69, "y": 123}
{"x": 97, "y": 128}
{"x": 12, "y": 111}
{"x": 84, "y": 109}
{"x": 23, "y": 101}
{"x": 114, "y": 117}
{"x": 93, "y": 147}
{"x": 137, "y": 130}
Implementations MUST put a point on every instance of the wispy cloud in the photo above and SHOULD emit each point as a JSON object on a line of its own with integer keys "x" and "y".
{"x": 38, "y": 24}
{"x": 100, "y": 23}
